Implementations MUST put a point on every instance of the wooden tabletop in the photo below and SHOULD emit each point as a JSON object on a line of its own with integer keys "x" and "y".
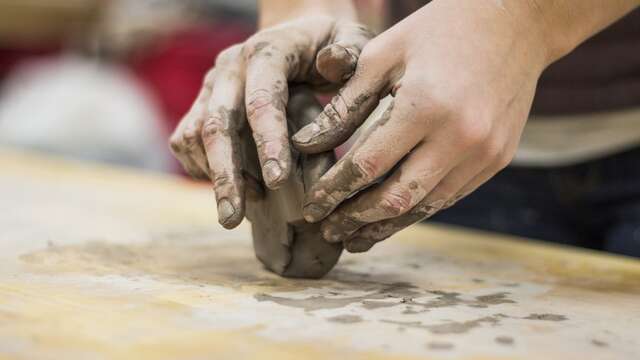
{"x": 106, "y": 263}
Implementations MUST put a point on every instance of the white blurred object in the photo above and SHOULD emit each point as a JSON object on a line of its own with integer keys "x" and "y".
{"x": 83, "y": 109}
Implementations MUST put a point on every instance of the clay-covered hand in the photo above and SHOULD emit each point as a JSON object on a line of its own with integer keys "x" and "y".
{"x": 462, "y": 75}
{"x": 250, "y": 81}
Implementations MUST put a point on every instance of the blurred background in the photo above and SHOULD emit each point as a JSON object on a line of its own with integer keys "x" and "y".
{"x": 108, "y": 80}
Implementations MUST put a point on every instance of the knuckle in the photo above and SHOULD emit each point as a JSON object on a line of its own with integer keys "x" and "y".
{"x": 472, "y": 133}
{"x": 436, "y": 104}
{"x": 332, "y": 112}
{"x": 220, "y": 180}
{"x": 228, "y": 55}
{"x": 365, "y": 168}
{"x": 396, "y": 202}
{"x": 175, "y": 143}
{"x": 190, "y": 136}
{"x": 213, "y": 126}
{"x": 504, "y": 159}
{"x": 259, "y": 43}
{"x": 259, "y": 102}
{"x": 491, "y": 149}
{"x": 270, "y": 141}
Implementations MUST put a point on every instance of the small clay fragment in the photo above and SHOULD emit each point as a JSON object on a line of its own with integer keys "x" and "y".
{"x": 283, "y": 241}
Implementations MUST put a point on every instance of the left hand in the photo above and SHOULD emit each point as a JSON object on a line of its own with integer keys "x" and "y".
{"x": 463, "y": 75}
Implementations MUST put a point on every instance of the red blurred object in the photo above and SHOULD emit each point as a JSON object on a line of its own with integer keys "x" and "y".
{"x": 10, "y": 58}
{"x": 175, "y": 67}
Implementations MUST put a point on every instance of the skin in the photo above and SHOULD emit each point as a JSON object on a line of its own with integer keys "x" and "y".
{"x": 248, "y": 86}
{"x": 462, "y": 75}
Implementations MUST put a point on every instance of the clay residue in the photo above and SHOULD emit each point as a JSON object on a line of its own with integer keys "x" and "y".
{"x": 345, "y": 319}
{"x": 599, "y": 343}
{"x": 190, "y": 258}
{"x": 450, "y": 327}
{"x": 187, "y": 258}
{"x": 448, "y": 299}
{"x": 411, "y": 311}
{"x": 389, "y": 296}
{"x": 440, "y": 345}
{"x": 493, "y": 299}
{"x": 386, "y": 296}
{"x": 504, "y": 340}
{"x": 546, "y": 317}
{"x": 462, "y": 327}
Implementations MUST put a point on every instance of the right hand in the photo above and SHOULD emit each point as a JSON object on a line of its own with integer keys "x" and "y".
{"x": 319, "y": 51}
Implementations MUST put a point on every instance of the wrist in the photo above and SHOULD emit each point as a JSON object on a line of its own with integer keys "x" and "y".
{"x": 562, "y": 25}
{"x": 273, "y": 12}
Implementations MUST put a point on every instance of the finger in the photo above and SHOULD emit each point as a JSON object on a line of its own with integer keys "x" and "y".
{"x": 384, "y": 201}
{"x": 337, "y": 61}
{"x": 444, "y": 195}
{"x": 371, "y": 234}
{"x": 185, "y": 142}
{"x": 344, "y": 114}
{"x": 220, "y": 136}
{"x": 369, "y": 159}
{"x": 421, "y": 172}
{"x": 481, "y": 178}
{"x": 266, "y": 94}
{"x": 450, "y": 189}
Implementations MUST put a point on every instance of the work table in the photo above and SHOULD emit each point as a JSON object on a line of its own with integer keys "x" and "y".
{"x": 98, "y": 262}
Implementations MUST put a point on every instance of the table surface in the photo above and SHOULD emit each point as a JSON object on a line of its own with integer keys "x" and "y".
{"x": 106, "y": 263}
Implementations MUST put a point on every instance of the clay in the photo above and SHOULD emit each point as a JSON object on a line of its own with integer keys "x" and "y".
{"x": 504, "y": 340}
{"x": 283, "y": 241}
{"x": 440, "y": 345}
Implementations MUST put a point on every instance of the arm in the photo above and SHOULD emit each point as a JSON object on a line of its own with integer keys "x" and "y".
{"x": 462, "y": 75}
{"x": 273, "y": 12}
{"x": 565, "y": 24}
{"x": 311, "y": 42}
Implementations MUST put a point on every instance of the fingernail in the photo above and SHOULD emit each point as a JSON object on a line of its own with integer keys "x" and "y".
{"x": 358, "y": 245}
{"x": 225, "y": 211}
{"x": 306, "y": 134}
{"x": 272, "y": 171}
{"x": 313, "y": 212}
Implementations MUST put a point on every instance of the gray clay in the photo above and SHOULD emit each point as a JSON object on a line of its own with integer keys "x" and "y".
{"x": 283, "y": 241}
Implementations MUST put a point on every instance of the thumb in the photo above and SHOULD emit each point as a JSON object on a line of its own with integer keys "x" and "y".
{"x": 337, "y": 61}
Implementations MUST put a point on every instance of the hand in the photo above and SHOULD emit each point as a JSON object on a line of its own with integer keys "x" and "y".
{"x": 462, "y": 75}
{"x": 320, "y": 51}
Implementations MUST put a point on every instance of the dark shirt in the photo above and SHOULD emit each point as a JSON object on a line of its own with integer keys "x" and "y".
{"x": 602, "y": 74}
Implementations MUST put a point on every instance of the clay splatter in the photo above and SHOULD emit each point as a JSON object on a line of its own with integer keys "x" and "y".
{"x": 389, "y": 296}
{"x": 391, "y": 293}
{"x": 512, "y": 285}
{"x": 451, "y": 327}
{"x": 411, "y": 311}
{"x": 345, "y": 319}
{"x": 546, "y": 317}
{"x": 493, "y": 299}
{"x": 440, "y": 345}
{"x": 504, "y": 340}
{"x": 599, "y": 343}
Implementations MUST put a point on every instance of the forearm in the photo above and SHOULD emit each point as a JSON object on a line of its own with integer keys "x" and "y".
{"x": 565, "y": 24}
{"x": 272, "y": 12}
